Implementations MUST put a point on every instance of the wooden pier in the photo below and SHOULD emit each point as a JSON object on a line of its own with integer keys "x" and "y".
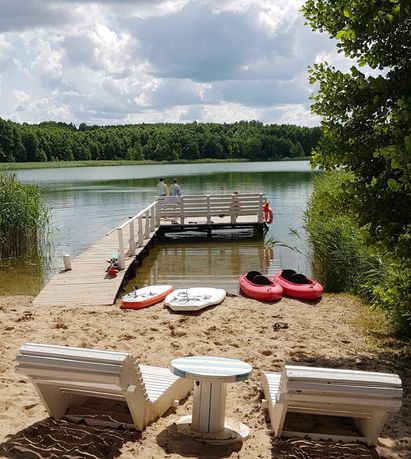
{"x": 87, "y": 283}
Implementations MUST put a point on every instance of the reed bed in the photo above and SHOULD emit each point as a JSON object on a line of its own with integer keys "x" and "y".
{"x": 23, "y": 219}
{"x": 345, "y": 260}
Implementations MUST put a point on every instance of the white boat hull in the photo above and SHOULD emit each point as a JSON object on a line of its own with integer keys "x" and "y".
{"x": 145, "y": 296}
{"x": 194, "y": 299}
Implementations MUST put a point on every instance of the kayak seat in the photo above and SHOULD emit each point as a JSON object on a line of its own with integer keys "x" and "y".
{"x": 261, "y": 280}
{"x": 299, "y": 279}
{"x": 250, "y": 276}
{"x": 287, "y": 273}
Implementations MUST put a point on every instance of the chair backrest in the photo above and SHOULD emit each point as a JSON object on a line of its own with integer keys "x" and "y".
{"x": 71, "y": 364}
{"x": 353, "y": 383}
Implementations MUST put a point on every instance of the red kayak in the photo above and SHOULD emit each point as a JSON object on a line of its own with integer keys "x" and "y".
{"x": 297, "y": 285}
{"x": 259, "y": 287}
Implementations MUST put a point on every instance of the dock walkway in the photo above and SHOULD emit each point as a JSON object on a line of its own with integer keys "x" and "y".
{"x": 87, "y": 283}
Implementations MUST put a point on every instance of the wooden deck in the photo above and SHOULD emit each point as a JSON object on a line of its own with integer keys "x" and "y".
{"x": 87, "y": 283}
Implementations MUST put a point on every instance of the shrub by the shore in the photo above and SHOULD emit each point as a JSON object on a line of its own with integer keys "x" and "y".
{"x": 344, "y": 258}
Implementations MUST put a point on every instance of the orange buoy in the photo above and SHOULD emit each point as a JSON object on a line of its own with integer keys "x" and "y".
{"x": 268, "y": 213}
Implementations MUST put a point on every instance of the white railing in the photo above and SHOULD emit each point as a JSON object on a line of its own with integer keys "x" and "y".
{"x": 139, "y": 227}
{"x": 215, "y": 205}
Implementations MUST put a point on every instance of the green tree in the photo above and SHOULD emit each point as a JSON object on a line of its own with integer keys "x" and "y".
{"x": 135, "y": 153}
{"x": 31, "y": 145}
{"x": 366, "y": 120}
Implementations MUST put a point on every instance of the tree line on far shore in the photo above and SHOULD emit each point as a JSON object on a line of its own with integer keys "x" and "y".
{"x": 248, "y": 140}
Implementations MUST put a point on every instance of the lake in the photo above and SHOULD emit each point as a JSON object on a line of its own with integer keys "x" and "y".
{"x": 85, "y": 203}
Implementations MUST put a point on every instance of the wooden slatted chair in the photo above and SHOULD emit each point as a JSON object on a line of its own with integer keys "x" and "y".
{"x": 67, "y": 376}
{"x": 365, "y": 396}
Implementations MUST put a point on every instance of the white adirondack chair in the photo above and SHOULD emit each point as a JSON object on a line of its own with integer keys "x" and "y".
{"x": 365, "y": 396}
{"x": 66, "y": 376}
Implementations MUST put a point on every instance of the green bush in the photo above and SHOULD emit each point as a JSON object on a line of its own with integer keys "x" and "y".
{"x": 336, "y": 253}
{"x": 21, "y": 215}
{"x": 393, "y": 294}
{"x": 344, "y": 260}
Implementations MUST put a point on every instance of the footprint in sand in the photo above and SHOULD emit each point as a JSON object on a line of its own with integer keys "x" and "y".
{"x": 267, "y": 352}
{"x": 126, "y": 337}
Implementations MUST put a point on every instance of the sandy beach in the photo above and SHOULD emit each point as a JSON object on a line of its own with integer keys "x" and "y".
{"x": 323, "y": 334}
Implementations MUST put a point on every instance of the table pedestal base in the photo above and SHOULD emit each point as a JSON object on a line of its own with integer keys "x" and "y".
{"x": 234, "y": 431}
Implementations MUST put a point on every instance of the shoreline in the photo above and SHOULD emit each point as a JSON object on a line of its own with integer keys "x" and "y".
{"x": 4, "y": 167}
{"x": 323, "y": 334}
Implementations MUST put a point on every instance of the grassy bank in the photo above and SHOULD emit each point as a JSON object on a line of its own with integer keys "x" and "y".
{"x": 100, "y": 163}
{"x": 345, "y": 259}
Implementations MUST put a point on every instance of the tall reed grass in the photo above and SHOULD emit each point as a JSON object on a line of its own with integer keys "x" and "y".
{"x": 23, "y": 219}
{"x": 344, "y": 258}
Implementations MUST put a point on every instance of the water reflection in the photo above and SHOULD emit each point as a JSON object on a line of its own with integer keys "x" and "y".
{"x": 216, "y": 263}
{"x": 25, "y": 274}
{"x": 86, "y": 203}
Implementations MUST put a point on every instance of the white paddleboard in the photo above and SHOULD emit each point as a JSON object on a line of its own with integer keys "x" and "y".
{"x": 145, "y": 296}
{"x": 194, "y": 299}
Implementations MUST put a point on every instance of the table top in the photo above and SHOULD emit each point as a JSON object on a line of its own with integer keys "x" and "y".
{"x": 205, "y": 368}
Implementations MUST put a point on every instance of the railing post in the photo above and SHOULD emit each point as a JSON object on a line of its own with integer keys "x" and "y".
{"x": 140, "y": 231}
{"x": 147, "y": 226}
{"x": 132, "y": 248}
{"x": 158, "y": 213}
{"x": 232, "y": 209}
{"x": 260, "y": 209}
{"x": 152, "y": 218}
{"x": 208, "y": 210}
{"x": 182, "y": 210}
{"x": 121, "y": 261}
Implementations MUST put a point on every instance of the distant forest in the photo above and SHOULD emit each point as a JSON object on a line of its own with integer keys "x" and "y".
{"x": 249, "y": 140}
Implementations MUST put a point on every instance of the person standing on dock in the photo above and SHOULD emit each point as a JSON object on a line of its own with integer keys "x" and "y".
{"x": 175, "y": 189}
{"x": 162, "y": 189}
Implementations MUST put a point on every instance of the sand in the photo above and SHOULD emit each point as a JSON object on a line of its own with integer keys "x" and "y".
{"x": 322, "y": 334}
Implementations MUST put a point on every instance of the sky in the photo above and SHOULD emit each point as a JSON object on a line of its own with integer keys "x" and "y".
{"x": 132, "y": 61}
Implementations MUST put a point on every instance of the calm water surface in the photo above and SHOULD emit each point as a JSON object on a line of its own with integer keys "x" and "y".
{"x": 87, "y": 202}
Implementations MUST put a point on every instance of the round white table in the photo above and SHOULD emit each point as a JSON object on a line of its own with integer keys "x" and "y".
{"x": 211, "y": 375}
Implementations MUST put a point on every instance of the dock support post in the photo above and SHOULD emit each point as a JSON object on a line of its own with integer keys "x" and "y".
{"x": 209, "y": 233}
{"x": 152, "y": 219}
{"x": 157, "y": 207}
{"x": 140, "y": 231}
{"x": 260, "y": 216}
{"x": 182, "y": 211}
{"x": 132, "y": 248}
{"x": 121, "y": 261}
{"x": 147, "y": 231}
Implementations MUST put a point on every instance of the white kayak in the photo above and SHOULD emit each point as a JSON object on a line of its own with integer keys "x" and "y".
{"x": 146, "y": 296}
{"x": 194, "y": 299}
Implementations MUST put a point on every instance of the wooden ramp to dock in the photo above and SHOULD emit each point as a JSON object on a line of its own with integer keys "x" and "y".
{"x": 87, "y": 283}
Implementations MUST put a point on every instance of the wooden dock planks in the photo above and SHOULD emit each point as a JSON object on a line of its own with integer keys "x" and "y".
{"x": 87, "y": 283}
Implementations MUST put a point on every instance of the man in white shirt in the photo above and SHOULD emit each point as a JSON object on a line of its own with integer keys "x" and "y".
{"x": 162, "y": 188}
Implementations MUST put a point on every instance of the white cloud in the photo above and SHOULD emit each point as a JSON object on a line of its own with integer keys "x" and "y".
{"x": 26, "y": 109}
{"x": 157, "y": 60}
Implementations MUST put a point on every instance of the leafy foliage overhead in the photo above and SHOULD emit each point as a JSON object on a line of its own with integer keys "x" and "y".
{"x": 366, "y": 120}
